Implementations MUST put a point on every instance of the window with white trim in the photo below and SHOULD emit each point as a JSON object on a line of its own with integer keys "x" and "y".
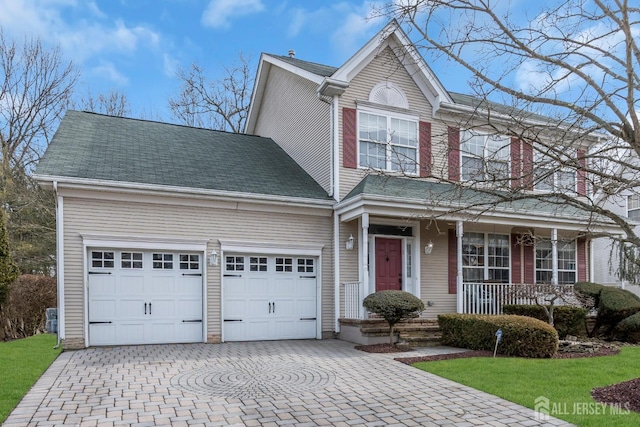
{"x": 485, "y": 256}
{"x": 162, "y": 261}
{"x": 387, "y": 142}
{"x": 234, "y": 263}
{"x": 484, "y": 157}
{"x": 566, "y": 262}
{"x": 305, "y": 265}
{"x": 100, "y": 259}
{"x": 549, "y": 175}
{"x": 189, "y": 261}
{"x": 257, "y": 263}
{"x": 131, "y": 260}
{"x": 284, "y": 265}
{"x": 633, "y": 207}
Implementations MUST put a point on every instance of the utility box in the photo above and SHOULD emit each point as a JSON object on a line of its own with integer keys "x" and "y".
{"x": 51, "y": 325}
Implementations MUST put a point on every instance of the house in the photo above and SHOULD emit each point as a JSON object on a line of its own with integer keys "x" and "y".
{"x": 357, "y": 183}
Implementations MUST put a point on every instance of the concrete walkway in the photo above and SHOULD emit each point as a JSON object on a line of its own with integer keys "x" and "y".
{"x": 301, "y": 383}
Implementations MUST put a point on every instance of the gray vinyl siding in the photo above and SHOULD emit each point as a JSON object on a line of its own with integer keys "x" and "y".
{"x": 434, "y": 271}
{"x": 348, "y": 259}
{"x": 294, "y": 117}
{"x": 386, "y": 67}
{"x": 96, "y": 216}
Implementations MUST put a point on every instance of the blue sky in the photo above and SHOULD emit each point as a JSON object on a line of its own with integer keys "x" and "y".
{"x": 136, "y": 46}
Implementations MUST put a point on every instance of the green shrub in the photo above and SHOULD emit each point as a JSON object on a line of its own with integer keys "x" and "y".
{"x": 567, "y": 320}
{"x": 629, "y": 329}
{"x": 521, "y": 336}
{"x": 616, "y": 304}
{"x": 393, "y": 306}
{"x": 586, "y": 291}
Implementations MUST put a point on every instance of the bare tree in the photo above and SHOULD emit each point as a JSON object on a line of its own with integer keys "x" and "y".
{"x": 35, "y": 89}
{"x": 564, "y": 80}
{"x": 114, "y": 103}
{"x": 222, "y": 104}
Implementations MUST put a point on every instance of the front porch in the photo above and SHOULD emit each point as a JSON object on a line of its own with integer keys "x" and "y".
{"x": 472, "y": 298}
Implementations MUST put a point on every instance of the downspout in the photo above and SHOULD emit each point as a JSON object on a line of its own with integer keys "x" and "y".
{"x": 59, "y": 261}
{"x": 335, "y": 193}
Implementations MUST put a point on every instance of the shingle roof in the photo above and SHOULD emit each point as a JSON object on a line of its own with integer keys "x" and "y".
{"x": 485, "y": 104}
{"x": 312, "y": 67}
{"x": 449, "y": 195}
{"x": 459, "y": 98}
{"x": 100, "y": 147}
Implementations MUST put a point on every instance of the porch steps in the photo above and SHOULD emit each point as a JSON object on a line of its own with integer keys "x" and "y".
{"x": 414, "y": 332}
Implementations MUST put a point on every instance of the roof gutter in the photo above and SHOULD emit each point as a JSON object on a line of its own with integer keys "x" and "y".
{"x": 183, "y": 192}
{"x": 360, "y": 201}
{"x": 506, "y": 119}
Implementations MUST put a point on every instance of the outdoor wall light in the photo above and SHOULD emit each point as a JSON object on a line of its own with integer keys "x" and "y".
{"x": 213, "y": 258}
{"x": 429, "y": 248}
{"x": 349, "y": 244}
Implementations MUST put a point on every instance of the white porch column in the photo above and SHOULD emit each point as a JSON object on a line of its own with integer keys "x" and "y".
{"x": 364, "y": 290}
{"x": 554, "y": 256}
{"x": 459, "y": 234}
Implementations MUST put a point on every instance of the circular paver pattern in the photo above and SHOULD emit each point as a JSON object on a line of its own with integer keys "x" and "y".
{"x": 247, "y": 379}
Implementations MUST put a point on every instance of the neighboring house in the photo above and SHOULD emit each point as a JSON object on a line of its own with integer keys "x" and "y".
{"x": 173, "y": 234}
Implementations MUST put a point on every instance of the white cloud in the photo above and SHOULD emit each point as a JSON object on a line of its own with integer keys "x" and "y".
{"x": 108, "y": 71}
{"x": 352, "y": 24}
{"x": 219, "y": 12}
{"x": 80, "y": 39}
{"x": 170, "y": 65}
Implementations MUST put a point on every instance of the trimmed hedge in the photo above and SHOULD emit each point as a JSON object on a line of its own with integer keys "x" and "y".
{"x": 616, "y": 304}
{"x": 586, "y": 290}
{"x": 629, "y": 329}
{"x": 393, "y": 306}
{"x": 521, "y": 336}
{"x": 567, "y": 320}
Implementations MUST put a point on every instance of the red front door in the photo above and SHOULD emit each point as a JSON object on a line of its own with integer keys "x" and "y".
{"x": 388, "y": 264}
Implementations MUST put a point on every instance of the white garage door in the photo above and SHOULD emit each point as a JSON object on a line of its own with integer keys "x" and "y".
{"x": 269, "y": 297}
{"x": 144, "y": 297}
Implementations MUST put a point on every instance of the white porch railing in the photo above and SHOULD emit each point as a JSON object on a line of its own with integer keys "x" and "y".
{"x": 489, "y": 298}
{"x": 352, "y": 301}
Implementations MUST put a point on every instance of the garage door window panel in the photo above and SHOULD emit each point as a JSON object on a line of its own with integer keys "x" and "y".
{"x": 131, "y": 260}
{"x": 284, "y": 265}
{"x": 234, "y": 263}
{"x": 189, "y": 262}
{"x": 162, "y": 261}
{"x": 258, "y": 264}
{"x": 305, "y": 265}
{"x": 102, "y": 259}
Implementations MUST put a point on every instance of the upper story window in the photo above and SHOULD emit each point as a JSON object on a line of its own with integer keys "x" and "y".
{"x": 387, "y": 142}
{"x": 550, "y": 175}
{"x": 484, "y": 157}
{"x": 633, "y": 207}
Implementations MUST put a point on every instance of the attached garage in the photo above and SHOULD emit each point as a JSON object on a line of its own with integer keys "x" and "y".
{"x": 270, "y": 297}
{"x": 144, "y": 296}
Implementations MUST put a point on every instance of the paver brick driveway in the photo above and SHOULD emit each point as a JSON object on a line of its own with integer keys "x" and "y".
{"x": 302, "y": 383}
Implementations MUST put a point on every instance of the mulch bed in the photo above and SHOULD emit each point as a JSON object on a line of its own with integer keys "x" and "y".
{"x": 383, "y": 348}
{"x": 625, "y": 395}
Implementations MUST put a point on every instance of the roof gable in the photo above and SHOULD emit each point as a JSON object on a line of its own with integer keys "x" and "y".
{"x": 97, "y": 147}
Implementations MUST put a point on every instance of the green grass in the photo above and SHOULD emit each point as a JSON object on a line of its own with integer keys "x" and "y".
{"x": 567, "y": 383}
{"x": 21, "y": 364}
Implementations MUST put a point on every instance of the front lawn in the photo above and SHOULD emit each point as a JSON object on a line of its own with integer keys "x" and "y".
{"x": 21, "y": 364}
{"x": 567, "y": 383}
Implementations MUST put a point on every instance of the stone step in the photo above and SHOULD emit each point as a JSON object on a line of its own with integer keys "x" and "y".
{"x": 415, "y": 342}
